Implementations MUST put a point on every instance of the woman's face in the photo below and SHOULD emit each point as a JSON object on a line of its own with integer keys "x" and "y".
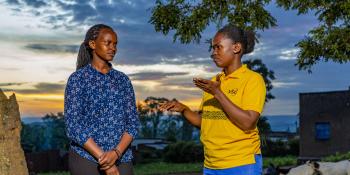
{"x": 223, "y": 50}
{"x": 105, "y": 45}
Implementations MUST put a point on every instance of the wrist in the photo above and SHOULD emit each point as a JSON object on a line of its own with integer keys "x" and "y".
{"x": 184, "y": 110}
{"x": 117, "y": 152}
{"x": 100, "y": 155}
{"x": 217, "y": 94}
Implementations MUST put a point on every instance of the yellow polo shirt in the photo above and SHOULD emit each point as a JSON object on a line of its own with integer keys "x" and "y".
{"x": 226, "y": 145}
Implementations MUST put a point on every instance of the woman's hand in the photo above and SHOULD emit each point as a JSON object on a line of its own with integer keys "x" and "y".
{"x": 108, "y": 159}
{"x": 112, "y": 170}
{"x": 173, "y": 106}
{"x": 211, "y": 87}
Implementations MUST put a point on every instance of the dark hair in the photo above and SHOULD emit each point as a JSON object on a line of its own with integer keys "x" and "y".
{"x": 85, "y": 52}
{"x": 246, "y": 38}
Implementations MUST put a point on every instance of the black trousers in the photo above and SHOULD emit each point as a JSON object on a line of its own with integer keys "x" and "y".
{"x": 81, "y": 166}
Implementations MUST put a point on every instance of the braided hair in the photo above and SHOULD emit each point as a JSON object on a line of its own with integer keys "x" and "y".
{"x": 85, "y": 52}
{"x": 246, "y": 38}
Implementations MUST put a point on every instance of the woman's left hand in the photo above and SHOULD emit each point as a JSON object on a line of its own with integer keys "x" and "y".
{"x": 112, "y": 171}
{"x": 108, "y": 159}
{"x": 211, "y": 87}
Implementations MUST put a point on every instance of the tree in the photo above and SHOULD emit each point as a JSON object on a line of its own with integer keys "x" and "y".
{"x": 264, "y": 128}
{"x": 149, "y": 112}
{"x": 56, "y": 131}
{"x": 32, "y": 137}
{"x": 190, "y": 18}
{"x": 329, "y": 41}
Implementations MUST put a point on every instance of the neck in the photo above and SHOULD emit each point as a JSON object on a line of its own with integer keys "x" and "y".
{"x": 100, "y": 65}
{"x": 236, "y": 64}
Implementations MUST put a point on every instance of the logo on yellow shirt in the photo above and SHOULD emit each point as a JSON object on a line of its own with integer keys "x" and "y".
{"x": 233, "y": 91}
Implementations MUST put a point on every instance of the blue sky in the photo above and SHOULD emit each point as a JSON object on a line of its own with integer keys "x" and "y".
{"x": 39, "y": 42}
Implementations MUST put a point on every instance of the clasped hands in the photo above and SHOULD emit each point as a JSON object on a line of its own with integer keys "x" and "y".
{"x": 107, "y": 162}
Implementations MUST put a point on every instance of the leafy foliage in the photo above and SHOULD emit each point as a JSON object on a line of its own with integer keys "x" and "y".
{"x": 329, "y": 41}
{"x": 280, "y": 161}
{"x": 190, "y": 18}
{"x": 183, "y": 152}
{"x": 280, "y": 148}
{"x": 32, "y": 137}
{"x": 155, "y": 123}
{"x": 337, "y": 157}
{"x": 46, "y": 135}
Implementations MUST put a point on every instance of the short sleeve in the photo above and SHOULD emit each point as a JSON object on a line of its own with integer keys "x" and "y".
{"x": 254, "y": 94}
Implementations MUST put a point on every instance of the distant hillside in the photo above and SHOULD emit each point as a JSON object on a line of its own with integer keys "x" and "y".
{"x": 277, "y": 122}
{"x": 29, "y": 120}
{"x": 283, "y": 122}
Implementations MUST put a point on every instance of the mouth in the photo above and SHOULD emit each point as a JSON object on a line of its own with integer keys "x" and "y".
{"x": 111, "y": 54}
{"x": 216, "y": 60}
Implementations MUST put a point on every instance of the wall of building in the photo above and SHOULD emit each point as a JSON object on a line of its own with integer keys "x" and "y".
{"x": 332, "y": 107}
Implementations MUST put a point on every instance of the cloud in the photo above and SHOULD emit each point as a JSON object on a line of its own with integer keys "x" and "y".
{"x": 279, "y": 84}
{"x": 139, "y": 43}
{"x": 11, "y": 84}
{"x": 289, "y": 54}
{"x": 53, "y": 48}
{"x": 13, "y": 2}
{"x": 38, "y": 88}
{"x": 9, "y": 68}
{"x": 35, "y": 3}
{"x": 155, "y": 75}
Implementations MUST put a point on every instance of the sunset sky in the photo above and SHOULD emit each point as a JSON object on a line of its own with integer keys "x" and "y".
{"x": 39, "y": 42}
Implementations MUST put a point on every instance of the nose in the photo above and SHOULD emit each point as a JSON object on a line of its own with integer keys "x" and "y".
{"x": 213, "y": 53}
{"x": 212, "y": 56}
{"x": 113, "y": 48}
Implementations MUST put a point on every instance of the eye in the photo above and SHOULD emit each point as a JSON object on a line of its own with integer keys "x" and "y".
{"x": 217, "y": 47}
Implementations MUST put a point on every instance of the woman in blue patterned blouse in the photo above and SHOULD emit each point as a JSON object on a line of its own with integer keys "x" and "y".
{"x": 99, "y": 107}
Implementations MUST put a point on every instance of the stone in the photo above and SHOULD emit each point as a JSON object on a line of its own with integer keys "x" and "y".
{"x": 12, "y": 160}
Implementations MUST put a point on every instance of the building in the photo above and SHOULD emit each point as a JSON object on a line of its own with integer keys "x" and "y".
{"x": 324, "y": 124}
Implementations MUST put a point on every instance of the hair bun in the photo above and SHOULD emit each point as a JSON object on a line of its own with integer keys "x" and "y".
{"x": 250, "y": 41}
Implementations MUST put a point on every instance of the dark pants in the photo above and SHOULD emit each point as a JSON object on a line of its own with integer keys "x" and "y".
{"x": 81, "y": 166}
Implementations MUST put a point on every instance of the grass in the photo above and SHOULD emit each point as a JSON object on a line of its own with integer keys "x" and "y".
{"x": 166, "y": 168}
{"x": 280, "y": 161}
{"x": 55, "y": 173}
{"x": 156, "y": 168}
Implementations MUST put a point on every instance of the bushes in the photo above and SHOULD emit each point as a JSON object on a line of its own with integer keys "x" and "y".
{"x": 183, "y": 152}
{"x": 280, "y": 148}
{"x": 337, "y": 157}
{"x": 280, "y": 161}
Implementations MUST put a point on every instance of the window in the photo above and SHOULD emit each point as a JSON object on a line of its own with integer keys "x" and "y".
{"x": 323, "y": 130}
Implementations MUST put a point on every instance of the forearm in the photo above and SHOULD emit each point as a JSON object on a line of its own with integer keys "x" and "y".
{"x": 91, "y": 146}
{"x": 124, "y": 142}
{"x": 193, "y": 117}
{"x": 244, "y": 119}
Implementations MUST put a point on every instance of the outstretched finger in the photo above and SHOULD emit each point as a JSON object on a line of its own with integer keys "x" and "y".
{"x": 200, "y": 85}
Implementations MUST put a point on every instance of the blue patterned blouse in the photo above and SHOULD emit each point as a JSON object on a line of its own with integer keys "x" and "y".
{"x": 100, "y": 106}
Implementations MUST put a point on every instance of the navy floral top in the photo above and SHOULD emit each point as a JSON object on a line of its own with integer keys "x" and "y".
{"x": 99, "y": 106}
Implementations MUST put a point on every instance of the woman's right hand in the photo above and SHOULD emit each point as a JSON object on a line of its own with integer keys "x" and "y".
{"x": 173, "y": 106}
{"x": 112, "y": 171}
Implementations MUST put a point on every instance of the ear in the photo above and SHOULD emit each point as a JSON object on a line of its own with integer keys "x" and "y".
{"x": 237, "y": 48}
{"x": 92, "y": 44}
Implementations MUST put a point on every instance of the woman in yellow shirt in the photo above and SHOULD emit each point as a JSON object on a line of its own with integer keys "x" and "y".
{"x": 231, "y": 106}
